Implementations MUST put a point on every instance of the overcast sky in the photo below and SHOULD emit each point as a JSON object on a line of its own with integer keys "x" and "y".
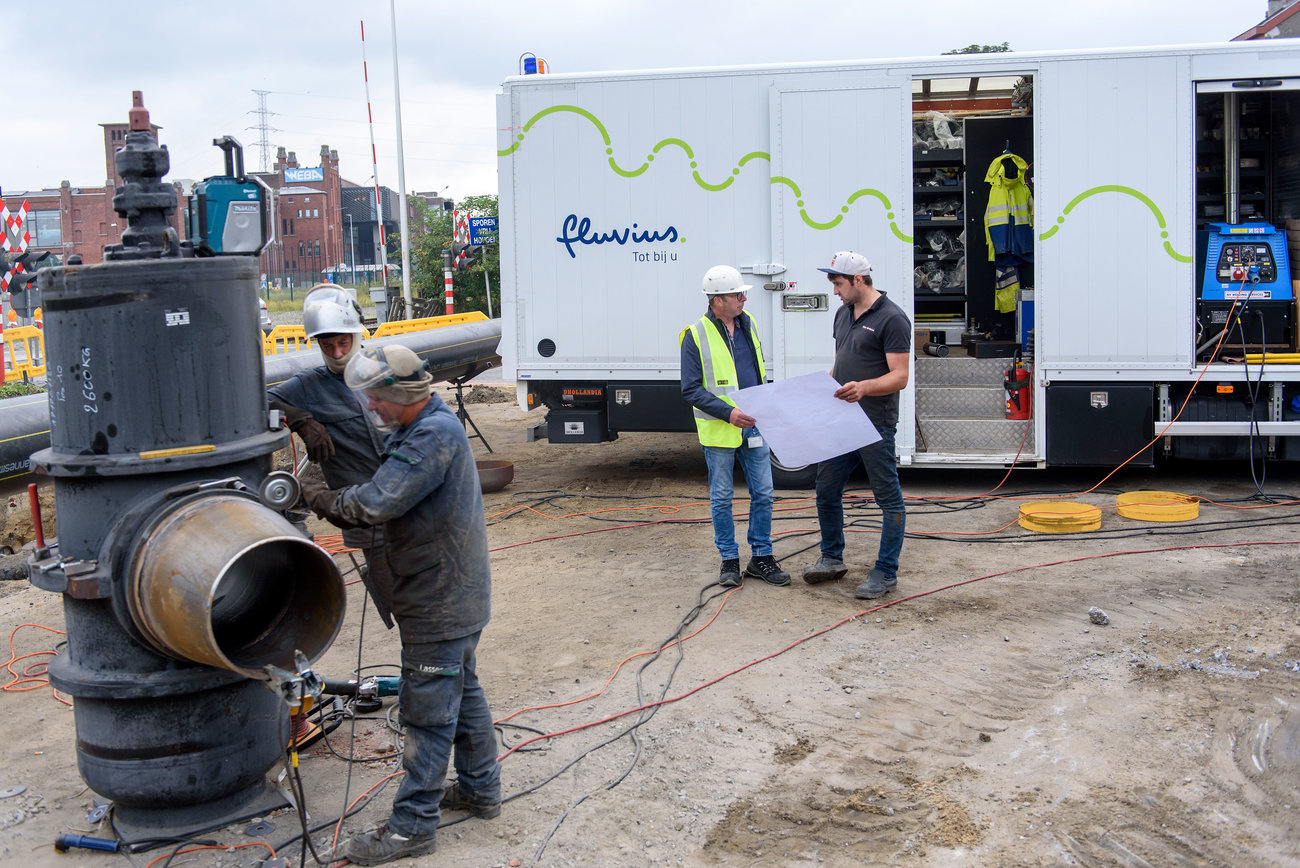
{"x": 73, "y": 64}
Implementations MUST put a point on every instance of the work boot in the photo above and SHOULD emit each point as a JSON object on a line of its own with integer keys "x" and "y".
{"x": 825, "y": 570}
{"x": 730, "y": 575}
{"x": 877, "y": 585}
{"x": 456, "y": 799}
{"x": 764, "y": 567}
{"x": 384, "y": 845}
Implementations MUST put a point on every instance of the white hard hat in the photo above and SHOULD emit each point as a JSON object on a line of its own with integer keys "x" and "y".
{"x": 723, "y": 279}
{"x": 329, "y": 310}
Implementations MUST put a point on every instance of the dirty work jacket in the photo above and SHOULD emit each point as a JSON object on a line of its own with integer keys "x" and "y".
{"x": 1009, "y": 218}
{"x": 426, "y": 495}
{"x": 357, "y": 445}
{"x": 709, "y": 374}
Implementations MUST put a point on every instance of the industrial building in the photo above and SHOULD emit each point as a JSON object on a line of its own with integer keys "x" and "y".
{"x": 324, "y": 223}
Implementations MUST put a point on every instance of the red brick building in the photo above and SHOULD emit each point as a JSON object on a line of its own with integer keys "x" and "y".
{"x": 322, "y": 221}
{"x": 81, "y": 220}
{"x": 1281, "y": 22}
{"x": 308, "y": 227}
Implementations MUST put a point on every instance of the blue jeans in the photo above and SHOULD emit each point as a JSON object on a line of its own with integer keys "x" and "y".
{"x": 756, "y": 462}
{"x": 882, "y": 474}
{"x": 443, "y": 706}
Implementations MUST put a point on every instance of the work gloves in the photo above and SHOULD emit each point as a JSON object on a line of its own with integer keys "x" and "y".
{"x": 319, "y": 445}
{"x": 317, "y": 494}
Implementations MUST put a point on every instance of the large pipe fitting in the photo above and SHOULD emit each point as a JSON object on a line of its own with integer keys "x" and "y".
{"x": 220, "y": 579}
{"x": 179, "y": 586}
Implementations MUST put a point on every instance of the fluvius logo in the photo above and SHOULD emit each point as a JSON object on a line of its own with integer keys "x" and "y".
{"x": 578, "y": 231}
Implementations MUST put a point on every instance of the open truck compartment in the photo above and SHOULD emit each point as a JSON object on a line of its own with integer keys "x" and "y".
{"x": 1161, "y": 188}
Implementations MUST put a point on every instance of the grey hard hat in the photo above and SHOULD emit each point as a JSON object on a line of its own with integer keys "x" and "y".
{"x": 393, "y": 373}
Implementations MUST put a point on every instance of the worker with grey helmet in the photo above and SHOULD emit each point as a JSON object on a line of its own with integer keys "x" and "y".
{"x": 320, "y": 408}
{"x": 720, "y": 354}
{"x": 426, "y": 496}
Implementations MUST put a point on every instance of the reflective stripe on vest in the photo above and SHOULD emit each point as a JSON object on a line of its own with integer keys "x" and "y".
{"x": 719, "y": 370}
{"x": 1009, "y": 217}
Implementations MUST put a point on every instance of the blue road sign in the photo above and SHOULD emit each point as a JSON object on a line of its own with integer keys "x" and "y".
{"x": 482, "y": 230}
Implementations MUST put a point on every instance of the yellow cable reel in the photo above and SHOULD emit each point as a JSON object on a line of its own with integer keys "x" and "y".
{"x": 1157, "y": 506}
{"x": 1062, "y": 516}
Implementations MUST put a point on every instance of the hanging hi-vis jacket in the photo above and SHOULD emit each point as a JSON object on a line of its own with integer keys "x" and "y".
{"x": 719, "y": 375}
{"x": 1009, "y": 218}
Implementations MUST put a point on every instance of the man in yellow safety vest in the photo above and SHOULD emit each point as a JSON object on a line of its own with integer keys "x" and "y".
{"x": 720, "y": 354}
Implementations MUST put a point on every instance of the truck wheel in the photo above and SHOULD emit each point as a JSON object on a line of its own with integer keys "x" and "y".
{"x": 803, "y": 477}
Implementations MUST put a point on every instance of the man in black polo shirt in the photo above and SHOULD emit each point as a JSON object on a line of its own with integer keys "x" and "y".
{"x": 873, "y": 343}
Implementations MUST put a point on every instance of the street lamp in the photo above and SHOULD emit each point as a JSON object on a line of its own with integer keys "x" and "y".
{"x": 352, "y": 251}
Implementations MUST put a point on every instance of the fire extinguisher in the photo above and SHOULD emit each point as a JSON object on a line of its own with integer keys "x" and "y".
{"x": 1017, "y": 383}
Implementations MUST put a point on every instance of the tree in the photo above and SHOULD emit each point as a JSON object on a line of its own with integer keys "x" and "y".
{"x": 431, "y": 233}
{"x": 975, "y": 48}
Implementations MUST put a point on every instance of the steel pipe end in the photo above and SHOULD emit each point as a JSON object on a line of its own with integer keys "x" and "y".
{"x": 224, "y": 581}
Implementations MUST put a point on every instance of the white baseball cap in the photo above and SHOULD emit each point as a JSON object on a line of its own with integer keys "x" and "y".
{"x": 848, "y": 263}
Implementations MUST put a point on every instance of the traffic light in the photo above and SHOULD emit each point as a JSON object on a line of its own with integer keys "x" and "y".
{"x": 464, "y": 254}
{"x": 20, "y": 270}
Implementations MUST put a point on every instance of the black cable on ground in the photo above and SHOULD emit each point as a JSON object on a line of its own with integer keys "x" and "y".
{"x": 1252, "y": 392}
{"x": 316, "y": 828}
{"x": 643, "y": 718}
{"x": 300, "y": 808}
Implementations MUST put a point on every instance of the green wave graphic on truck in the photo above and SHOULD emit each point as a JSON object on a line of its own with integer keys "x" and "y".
{"x": 832, "y": 222}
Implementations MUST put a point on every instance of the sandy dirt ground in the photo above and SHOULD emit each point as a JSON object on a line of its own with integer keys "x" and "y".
{"x": 948, "y": 724}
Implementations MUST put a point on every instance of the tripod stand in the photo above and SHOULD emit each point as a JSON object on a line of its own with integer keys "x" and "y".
{"x": 462, "y": 414}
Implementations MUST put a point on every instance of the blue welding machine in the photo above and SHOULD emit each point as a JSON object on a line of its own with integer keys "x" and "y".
{"x": 1246, "y": 260}
{"x": 1246, "y": 301}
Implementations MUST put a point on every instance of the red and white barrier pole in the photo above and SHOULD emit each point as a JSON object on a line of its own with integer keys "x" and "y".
{"x": 447, "y": 278}
{"x": 374, "y": 161}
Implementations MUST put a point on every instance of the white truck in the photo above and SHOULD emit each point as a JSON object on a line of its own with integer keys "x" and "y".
{"x": 1154, "y": 316}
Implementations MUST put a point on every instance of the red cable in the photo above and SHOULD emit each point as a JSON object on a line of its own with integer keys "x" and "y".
{"x": 882, "y": 606}
{"x": 29, "y": 679}
{"x": 596, "y": 530}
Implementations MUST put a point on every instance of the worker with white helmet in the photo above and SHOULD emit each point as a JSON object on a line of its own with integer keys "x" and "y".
{"x": 426, "y": 496}
{"x": 321, "y": 409}
{"x": 721, "y": 354}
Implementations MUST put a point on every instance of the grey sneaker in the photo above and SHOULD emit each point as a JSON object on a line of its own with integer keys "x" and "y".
{"x": 825, "y": 570}
{"x": 384, "y": 845}
{"x": 877, "y": 585}
{"x": 730, "y": 575}
{"x": 764, "y": 567}
{"x": 456, "y": 799}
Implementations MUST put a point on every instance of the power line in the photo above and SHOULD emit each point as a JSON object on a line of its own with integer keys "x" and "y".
{"x": 264, "y": 128}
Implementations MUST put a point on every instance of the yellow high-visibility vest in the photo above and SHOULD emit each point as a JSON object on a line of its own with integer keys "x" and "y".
{"x": 720, "y": 376}
{"x": 1009, "y": 218}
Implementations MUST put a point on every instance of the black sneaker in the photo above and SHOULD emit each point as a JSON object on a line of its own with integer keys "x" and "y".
{"x": 877, "y": 585}
{"x": 384, "y": 845}
{"x": 456, "y": 799}
{"x": 825, "y": 570}
{"x": 764, "y": 567}
{"x": 730, "y": 575}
